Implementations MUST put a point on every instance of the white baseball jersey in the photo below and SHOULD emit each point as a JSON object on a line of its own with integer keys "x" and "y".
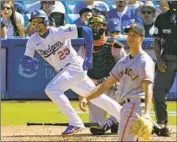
{"x": 131, "y": 73}
{"x": 56, "y": 48}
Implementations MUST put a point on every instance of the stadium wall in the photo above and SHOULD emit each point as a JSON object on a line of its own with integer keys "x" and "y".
{"x": 18, "y": 84}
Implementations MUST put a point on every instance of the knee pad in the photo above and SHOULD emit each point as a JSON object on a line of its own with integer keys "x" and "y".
{"x": 97, "y": 131}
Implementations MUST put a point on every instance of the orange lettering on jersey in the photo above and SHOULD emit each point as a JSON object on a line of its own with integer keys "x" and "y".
{"x": 128, "y": 72}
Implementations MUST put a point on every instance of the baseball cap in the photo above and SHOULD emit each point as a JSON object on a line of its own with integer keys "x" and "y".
{"x": 148, "y": 4}
{"x": 137, "y": 28}
{"x": 100, "y": 7}
{"x": 114, "y": 25}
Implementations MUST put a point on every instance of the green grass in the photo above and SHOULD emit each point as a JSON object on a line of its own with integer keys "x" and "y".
{"x": 14, "y": 113}
{"x": 18, "y": 113}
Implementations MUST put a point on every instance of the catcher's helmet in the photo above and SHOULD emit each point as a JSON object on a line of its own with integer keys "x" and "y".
{"x": 40, "y": 14}
{"x": 172, "y": 5}
{"x": 98, "y": 19}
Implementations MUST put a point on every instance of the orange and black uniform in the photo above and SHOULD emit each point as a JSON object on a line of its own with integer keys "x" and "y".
{"x": 103, "y": 60}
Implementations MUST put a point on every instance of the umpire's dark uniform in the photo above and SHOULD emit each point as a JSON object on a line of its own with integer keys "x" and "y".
{"x": 165, "y": 41}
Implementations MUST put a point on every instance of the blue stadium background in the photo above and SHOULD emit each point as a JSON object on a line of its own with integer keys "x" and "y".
{"x": 19, "y": 84}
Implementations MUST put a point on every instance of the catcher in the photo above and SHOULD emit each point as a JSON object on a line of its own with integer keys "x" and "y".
{"x": 135, "y": 73}
{"x": 107, "y": 51}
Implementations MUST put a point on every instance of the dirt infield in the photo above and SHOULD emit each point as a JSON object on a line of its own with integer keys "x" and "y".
{"x": 53, "y": 133}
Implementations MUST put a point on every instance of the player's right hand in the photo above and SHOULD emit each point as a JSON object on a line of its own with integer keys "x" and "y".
{"x": 83, "y": 103}
{"x": 161, "y": 65}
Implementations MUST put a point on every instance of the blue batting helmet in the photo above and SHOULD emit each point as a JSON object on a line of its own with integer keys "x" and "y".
{"x": 40, "y": 14}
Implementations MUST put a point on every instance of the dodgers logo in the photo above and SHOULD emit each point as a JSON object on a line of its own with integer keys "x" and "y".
{"x": 69, "y": 29}
{"x": 28, "y": 73}
{"x": 51, "y": 49}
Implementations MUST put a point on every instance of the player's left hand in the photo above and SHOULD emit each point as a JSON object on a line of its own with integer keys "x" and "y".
{"x": 88, "y": 62}
{"x": 82, "y": 104}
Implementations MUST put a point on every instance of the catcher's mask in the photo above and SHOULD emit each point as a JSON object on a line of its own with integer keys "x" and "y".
{"x": 97, "y": 31}
{"x": 173, "y": 8}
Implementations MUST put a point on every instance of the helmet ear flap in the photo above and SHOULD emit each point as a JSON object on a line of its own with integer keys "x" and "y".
{"x": 46, "y": 21}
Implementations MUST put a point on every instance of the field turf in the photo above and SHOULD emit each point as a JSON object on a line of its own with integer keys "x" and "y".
{"x": 21, "y": 112}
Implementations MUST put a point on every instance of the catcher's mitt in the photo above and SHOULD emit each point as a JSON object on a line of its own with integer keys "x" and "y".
{"x": 142, "y": 127}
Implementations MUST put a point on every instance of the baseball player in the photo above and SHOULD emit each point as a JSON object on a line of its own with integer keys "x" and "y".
{"x": 54, "y": 45}
{"x": 107, "y": 51}
{"x": 135, "y": 72}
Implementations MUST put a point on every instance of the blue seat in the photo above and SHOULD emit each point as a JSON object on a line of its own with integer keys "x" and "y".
{"x": 70, "y": 5}
{"x": 71, "y": 18}
{"x": 111, "y": 4}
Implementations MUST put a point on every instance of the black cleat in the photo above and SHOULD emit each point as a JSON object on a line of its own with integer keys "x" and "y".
{"x": 163, "y": 131}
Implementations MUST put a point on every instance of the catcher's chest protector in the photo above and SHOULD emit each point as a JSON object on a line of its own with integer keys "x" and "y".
{"x": 103, "y": 61}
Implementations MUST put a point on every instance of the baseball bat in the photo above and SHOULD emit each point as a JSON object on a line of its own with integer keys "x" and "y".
{"x": 58, "y": 124}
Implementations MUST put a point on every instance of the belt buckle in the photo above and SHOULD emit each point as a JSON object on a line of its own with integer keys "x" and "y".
{"x": 125, "y": 101}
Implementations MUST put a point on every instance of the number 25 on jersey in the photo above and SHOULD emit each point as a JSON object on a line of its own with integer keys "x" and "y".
{"x": 62, "y": 54}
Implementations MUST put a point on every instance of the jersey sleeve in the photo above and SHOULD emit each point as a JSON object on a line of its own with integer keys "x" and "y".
{"x": 118, "y": 51}
{"x": 30, "y": 48}
{"x": 146, "y": 71}
{"x": 115, "y": 72}
{"x": 157, "y": 28}
{"x": 68, "y": 31}
{"x": 117, "y": 44}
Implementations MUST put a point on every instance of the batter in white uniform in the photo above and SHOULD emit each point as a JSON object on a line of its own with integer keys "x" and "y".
{"x": 135, "y": 72}
{"x": 54, "y": 45}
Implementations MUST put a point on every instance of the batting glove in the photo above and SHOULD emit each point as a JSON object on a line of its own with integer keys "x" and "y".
{"x": 88, "y": 62}
{"x": 29, "y": 63}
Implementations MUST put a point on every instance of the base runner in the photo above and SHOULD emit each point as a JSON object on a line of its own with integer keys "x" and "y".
{"x": 54, "y": 45}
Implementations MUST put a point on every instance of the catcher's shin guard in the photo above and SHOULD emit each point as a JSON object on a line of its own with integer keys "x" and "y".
{"x": 114, "y": 128}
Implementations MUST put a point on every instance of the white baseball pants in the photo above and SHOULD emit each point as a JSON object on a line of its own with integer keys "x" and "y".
{"x": 73, "y": 77}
